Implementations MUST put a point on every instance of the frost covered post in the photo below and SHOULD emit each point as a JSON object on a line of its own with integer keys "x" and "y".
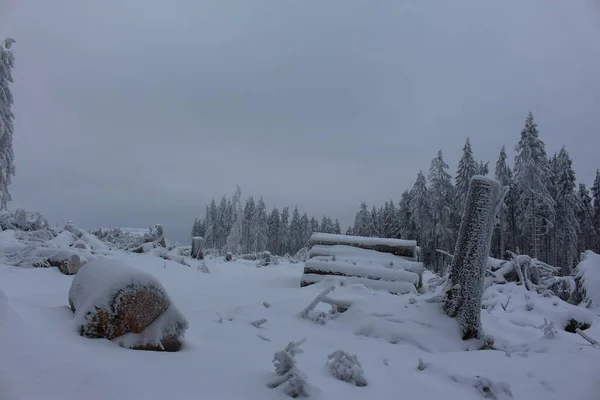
{"x": 197, "y": 248}
{"x": 7, "y": 167}
{"x": 471, "y": 254}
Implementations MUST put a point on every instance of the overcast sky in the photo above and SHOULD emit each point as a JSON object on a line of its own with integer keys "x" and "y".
{"x": 132, "y": 112}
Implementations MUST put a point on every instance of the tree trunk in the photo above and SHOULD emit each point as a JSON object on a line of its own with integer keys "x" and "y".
{"x": 471, "y": 254}
{"x": 197, "y": 248}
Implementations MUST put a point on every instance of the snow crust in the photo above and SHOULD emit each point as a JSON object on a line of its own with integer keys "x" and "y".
{"x": 43, "y": 357}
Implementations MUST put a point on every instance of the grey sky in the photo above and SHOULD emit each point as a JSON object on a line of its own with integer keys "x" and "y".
{"x": 135, "y": 112}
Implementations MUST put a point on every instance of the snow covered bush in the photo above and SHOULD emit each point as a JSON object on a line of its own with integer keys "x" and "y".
{"x": 110, "y": 299}
{"x": 22, "y": 220}
{"x": 587, "y": 276}
{"x": 295, "y": 381}
{"x": 346, "y": 367}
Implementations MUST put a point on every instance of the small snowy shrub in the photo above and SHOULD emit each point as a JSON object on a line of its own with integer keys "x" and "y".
{"x": 295, "y": 381}
{"x": 549, "y": 329}
{"x": 346, "y": 367}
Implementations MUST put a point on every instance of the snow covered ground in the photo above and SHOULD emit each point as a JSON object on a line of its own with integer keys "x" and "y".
{"x": 226, "y": 357}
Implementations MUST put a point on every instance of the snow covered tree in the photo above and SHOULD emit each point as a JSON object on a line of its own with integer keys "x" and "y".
{"x": 284, "y": 232}
{"x": 441, "y": 193}
{"x": 362, "y": 221}
{"x": 249, "y": 225}
{"x": 314, "y": 225}
{"x": 337, "y": 230}
{"x": 325, "y": 226}
{"x": 211, "y": 221}
{"x": 261, "y": 225}
{"x": 596, "y": 210}
{"x": 585, "y": 215}
{"x": 374, "y": 223}
{"x": 305, "y": 229}
{"x": 467, "y": 168}
{"x": 234, "y": 239}
{"x": 274, "y": 245}
{"x": 483, "y": 168}
{"x": 505, "y": 231}
{"x": 7, "y": 166}
{"x": 535, "y": 206}
{"x": 421, "y": 218}
{"x": 471, "y": 254}
{"x": 197, "y": 228}
{"x": 221, "y": 230}
{"x": 295, "y": 232}
{"x": 404, "y": 227}
{"x": 566, "y": 227}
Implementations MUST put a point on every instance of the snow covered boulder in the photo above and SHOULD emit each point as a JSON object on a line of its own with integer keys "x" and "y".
{"x": 114, "y": 301}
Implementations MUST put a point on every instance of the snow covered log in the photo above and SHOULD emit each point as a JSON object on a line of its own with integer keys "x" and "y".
{"x": 469, "y": 264}
{"x": 197, "y": 248}
{"x": 402, "y": 248}
{"x": 396, "y": 281}
{"x": 114, "y": 301}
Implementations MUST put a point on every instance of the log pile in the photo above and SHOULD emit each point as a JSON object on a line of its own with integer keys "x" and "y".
{"x": 386, "y": 264}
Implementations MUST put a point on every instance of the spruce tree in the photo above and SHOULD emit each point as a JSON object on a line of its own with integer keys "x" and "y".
{"x": 260, "y": 221}
{"x": 295, "y": 232}
{"x": 274, "y": 231}
{"x": 420, "y": 217}
{"x": 441, "y": 193}
{"x": 505, "y": 229}
{"x": 596, "y": 210}
{"x": 535, "y": 206}
{"x": 284, "y": 232}
{"x": 305, "y": 229}
{"x": 362, "y": 221}
{"x": 249, "y": 225}
{"x": 7, "y": 167}
{"x": 467, "y": 168}
{"x": 585, "y": 217}
{"x": 336, "y": 227}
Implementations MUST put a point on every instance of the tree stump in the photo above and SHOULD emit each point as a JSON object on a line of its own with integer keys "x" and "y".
{"x": 197, "y": 248}
{"x": 472, "y": 250}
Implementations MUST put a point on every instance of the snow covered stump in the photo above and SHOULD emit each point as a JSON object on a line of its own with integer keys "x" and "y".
{"x": 114, "y": 301}
{"x": 471, "y": 254}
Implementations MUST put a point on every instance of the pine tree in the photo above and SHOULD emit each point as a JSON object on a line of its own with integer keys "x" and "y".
{"x": 420, "y": 217}
{"x": 7, "y": 167}
{"x": 325, "y": 226}
{"x": 314, "y": 225}
{"x": 566, "y": 227}
{"x": 284, "y": 234}
{"x": 336, "y": 227}
{"x": 467, "y": 168}
{"x": 535, "y": 206}
{"x": 374, "y": 223}
{"x": 211, "y": 221}
{"x": 295, "y": 232}
{"x": 236, "y": 234}
{"x": 585, "y": 217}
{"x": 441, "y": 193}
{"x": 274, "y": 245}
{"x": 362, "y": 221}
{"x": 505, "y": 230}
{"x": 249, "y": 225}
{"x": 260, "y": 222}
{"x": 483, "y": 168}
{"x": 221, "y": 230}
{"x": 404, "y": 227}
{"x": 596, "y": 209}
{"x": 305, "y": 229}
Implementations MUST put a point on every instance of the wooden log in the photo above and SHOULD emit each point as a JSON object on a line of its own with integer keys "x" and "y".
{"x": 197, "y": 248}
{"x": 402, "y": 248}
{"x": 468, "y": 268}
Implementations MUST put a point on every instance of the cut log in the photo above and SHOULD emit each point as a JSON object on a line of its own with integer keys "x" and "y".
{"x": 402, "y": 248}
{"x": 115, "y": 301}
{"x": 468, "y": 268}
{"x": 197, "y": 248}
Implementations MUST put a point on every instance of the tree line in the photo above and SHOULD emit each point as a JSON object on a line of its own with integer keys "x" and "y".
{"x": 251, "y": 228}
{"x": 546, "y": 212}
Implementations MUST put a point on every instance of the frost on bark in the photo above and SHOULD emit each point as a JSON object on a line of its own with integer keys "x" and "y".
{"x": 467, "y": 273}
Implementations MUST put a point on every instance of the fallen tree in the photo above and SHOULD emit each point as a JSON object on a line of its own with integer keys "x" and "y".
{"x": 398, "y": 247}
